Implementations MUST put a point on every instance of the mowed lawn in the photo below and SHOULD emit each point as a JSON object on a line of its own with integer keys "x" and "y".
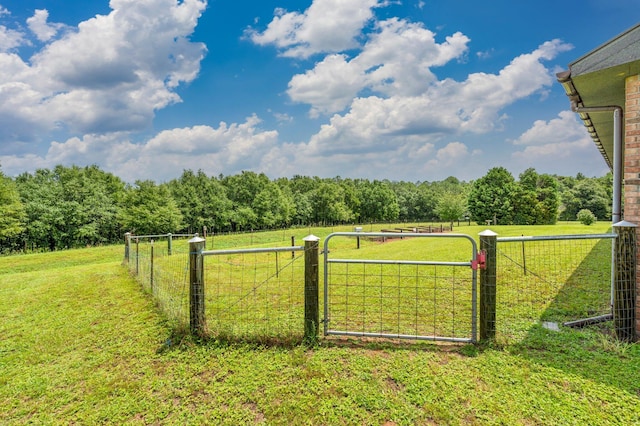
{"x": 82, "y": 343}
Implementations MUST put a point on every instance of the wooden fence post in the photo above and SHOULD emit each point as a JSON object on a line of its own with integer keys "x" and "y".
{"x": 151, "y": 269}
{"x": 311, "y": 293}
{"x": 197, "y": 319}
{"x": 169, "y": 243}
{"x": 137, "y": 256}
{"x": 624, "y": 282}
{"x": 488, "y": 240}
{"x": 127, "y": 246}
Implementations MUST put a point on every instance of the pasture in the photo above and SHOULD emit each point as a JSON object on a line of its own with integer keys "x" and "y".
{"x": 81, "y": 341}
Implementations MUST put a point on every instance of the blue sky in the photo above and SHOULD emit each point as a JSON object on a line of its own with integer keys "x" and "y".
{"x": 414, "y": 90}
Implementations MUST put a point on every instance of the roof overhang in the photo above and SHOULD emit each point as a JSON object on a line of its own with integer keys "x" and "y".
{"x": 598, "y": 80}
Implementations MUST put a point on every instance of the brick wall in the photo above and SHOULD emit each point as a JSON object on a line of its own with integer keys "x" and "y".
{"x": 632, "y": 169}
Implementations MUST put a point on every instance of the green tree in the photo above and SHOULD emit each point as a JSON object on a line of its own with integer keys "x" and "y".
{"x": 378, "y": 202}
{"x": 329, "y": 206}
{"x": 272, "y": 206}
{"x": 492, "y": 196}
{"x": 202, "y": 200}
{"x": 12, "y": 212}
{"x": 41, "y": 194}
{"x": 451, "y": 207}
{"x": 536, "y": 200}
{"x": 150, "y": 209}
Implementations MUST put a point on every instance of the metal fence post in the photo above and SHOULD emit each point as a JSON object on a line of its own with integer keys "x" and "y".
{"x": 311, "y": 294}
{"x": 169, "y": 243}
{"x": 488, "y": 241}
{"x": 624, "y": 284}
{"x": 197, "y": 320}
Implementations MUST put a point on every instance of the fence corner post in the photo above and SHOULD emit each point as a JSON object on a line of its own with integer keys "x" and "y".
{"x": 311, "y": 292}
{"x": 197, "y": 319}
{"x": 624, "y": 282}
{"x": 488, "y": 241}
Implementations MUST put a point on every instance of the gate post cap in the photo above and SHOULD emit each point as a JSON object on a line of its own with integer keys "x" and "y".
{"x": 196, "y": 239}
{"x": 625, "y": 224}
{"x": 311, "y": 237}
{"x": 488, "y": 233}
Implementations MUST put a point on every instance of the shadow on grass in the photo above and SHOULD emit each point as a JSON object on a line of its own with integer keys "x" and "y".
{"x": 592, "y": 352}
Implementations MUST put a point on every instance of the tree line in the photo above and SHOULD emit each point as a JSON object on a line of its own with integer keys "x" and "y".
{"x": 67, "y": 207}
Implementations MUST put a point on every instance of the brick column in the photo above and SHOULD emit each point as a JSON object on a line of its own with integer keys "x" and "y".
{"x": 632, "y": 168}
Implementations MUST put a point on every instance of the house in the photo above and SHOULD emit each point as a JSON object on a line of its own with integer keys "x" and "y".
{"x": 603, "y": 87}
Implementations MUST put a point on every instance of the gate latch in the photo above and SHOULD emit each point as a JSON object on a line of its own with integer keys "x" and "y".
{"x": 480, "y": 262}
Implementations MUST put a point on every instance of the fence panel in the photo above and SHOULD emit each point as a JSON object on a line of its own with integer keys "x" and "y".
{"x": 551, "y": 279}
{"x": 255, "y": 294}
{"x": 167, "y": 280}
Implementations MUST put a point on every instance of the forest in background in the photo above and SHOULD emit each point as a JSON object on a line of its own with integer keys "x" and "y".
{"x": 68, "y": 207}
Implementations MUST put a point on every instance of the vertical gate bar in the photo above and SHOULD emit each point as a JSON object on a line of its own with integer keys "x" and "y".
{"x": 488, "y": 240}
{"x": 474, "y": 295}
{"x": 325, "y": 273}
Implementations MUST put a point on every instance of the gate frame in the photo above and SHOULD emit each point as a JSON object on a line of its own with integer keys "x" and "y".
{"x": 473, "y": 264}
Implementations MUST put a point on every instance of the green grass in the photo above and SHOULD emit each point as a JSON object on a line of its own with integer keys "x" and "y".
{"x": 82, "y": 343}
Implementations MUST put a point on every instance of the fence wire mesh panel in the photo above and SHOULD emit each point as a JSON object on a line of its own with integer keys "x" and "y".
{"x": 408, "y": 296}
{"x": 256, "y": 296}
{"x": 557, "y": 279}
{"x": 165, "y": 274}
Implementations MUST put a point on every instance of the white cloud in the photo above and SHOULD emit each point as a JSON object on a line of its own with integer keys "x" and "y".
{"x": 226, "y": 149}
{"x": 396, "y": 60}
{"x": 43, "y": 30}
{"x": 444, "y": 107}
{"x": 564, "y": 129}
{"x": 109, "y": 74}
{"x": 326, "y": 26}
{"x": 558, "y": 144}
{"x": 10, "y": 39}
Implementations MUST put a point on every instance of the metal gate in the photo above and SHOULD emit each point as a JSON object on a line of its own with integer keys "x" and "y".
{"x": 408, "y": 298}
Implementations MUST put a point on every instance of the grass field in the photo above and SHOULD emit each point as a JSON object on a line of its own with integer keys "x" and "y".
{"x": 82, "y": 343}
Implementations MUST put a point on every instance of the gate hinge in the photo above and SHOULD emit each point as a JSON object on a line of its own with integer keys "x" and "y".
{"x": 480, "y": 262}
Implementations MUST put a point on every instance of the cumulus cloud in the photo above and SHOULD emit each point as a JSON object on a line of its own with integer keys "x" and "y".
{"x": 43, "y": 30}
{"x": 559, "y": 138}
{"x": 109, "y": 74}
{"x": 228, "y": 149}
{"x": 396, "y": 60}
{"x": 556, "y": 141}
{"x": 564, "y": 129}
{"x": 10, "y": 39}
{"x": 326, "y": 26}
{"x": 445, "y": 107}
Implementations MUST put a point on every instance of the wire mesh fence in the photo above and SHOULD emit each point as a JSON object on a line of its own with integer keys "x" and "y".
{"x": 554, "y": 280}
{"x": 256, "y": 296}
{"x": 161, "y": 265}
